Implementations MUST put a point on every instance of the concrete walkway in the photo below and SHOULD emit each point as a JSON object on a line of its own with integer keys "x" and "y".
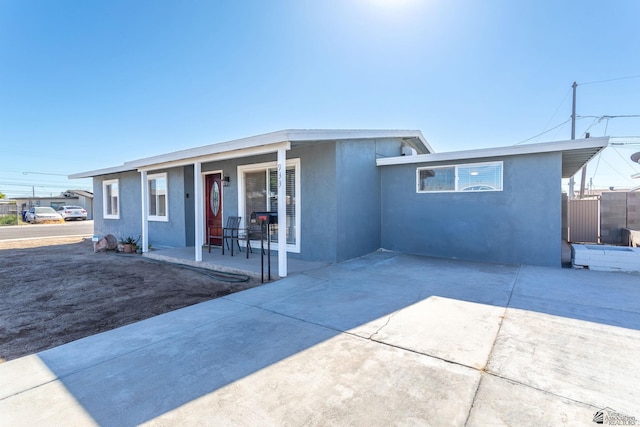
{"x": 382, "y": 340}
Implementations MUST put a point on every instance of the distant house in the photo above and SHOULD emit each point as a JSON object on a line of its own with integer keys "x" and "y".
{"x": 340, "y": 194}
{"x": 70, "y": 197}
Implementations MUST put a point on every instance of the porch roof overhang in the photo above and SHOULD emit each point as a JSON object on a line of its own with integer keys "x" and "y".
{"x": 575, "y": 154}
{"x": 260, "y": 144}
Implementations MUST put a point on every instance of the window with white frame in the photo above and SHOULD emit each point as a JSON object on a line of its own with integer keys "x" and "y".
{"x": 158, "y": 197}
{"x": 258, "y": 192}
{"x": 110, "y": 199}
{"x": 466, "y": 177}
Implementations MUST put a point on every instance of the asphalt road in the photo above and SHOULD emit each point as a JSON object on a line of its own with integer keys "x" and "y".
{"x": 34, "y": 231}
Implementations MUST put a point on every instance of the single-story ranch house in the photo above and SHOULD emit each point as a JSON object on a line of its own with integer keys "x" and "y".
{"x": 340, "y": 194}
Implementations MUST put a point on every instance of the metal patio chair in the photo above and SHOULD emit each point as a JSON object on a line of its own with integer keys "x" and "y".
{"x": 227, "y": 234}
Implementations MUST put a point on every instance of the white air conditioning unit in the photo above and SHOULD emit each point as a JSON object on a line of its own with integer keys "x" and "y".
{"x": 408, "y": 151}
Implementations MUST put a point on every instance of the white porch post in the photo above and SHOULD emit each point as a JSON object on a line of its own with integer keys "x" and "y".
{"x": 282, "y": 212}
{"x": 198, "y": 201}
{"x": 144, "y": 191}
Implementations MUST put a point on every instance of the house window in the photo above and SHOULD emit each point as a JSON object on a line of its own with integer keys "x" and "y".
{"x": 111, "y": 199}
{"x": 467, "y": 177}
{"x": 437, "y": 179}
{"x": 158, "y": 200}
{"x": 258, "y": 192}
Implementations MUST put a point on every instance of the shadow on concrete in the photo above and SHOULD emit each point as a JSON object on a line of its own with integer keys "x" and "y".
{"x": 141, "y": 371}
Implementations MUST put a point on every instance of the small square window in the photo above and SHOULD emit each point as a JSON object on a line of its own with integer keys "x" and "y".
{"x": 111, "y": 199}
{"x": 158, "y": 200}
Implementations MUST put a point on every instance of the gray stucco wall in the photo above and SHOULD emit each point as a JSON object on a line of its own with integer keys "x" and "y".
{"x": 130, "y": 222}
{"x": 189, "y": 207}
{"x": 519, "y": 225}
{"x": 161, "y": 233}
{"x": 319, "y": 226}
{"x": 358, "y": 199}
{"x": 171, "y": 233}
{"x": 318, "y": 196}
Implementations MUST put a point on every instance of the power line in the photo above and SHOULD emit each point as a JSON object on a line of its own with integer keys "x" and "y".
{"x": 625, "y": 160}
{"x": 542, "y": 133}
{"x": 557, "y": 108}
{"x": 595, "y": 122}
{"x": 609, "y": 116}
{"x": 610, "y": 80}
{"x": 626, "y": 178}
{"x": 597, "y": 164}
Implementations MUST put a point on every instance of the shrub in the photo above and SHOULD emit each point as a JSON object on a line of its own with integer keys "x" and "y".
{"x": 8, "y": 220}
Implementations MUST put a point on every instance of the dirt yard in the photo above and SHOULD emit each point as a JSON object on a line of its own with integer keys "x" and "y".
{"x": 57, "y": 291}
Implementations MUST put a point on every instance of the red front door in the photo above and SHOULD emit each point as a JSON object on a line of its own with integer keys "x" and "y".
{"x": 214, "y": 207}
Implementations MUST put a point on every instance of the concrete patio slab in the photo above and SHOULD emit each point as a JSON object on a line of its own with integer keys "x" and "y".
{"x": 342, "y": 381}
{"x": 500, "y": 402}
{"x": 384, "y": 339}
{"x": 583, "y": 361}
{"x": 580, "y": 294}
{"x": 458, "y": 331}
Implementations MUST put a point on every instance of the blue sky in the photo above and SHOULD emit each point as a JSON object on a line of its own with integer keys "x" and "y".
{"x": 92, "y": 84}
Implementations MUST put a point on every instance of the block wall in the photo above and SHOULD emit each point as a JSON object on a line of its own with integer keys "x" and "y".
{"x": 618, "y": 211}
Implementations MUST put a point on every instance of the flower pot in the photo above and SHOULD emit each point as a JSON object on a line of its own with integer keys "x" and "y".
{"x": 128, "y": 248}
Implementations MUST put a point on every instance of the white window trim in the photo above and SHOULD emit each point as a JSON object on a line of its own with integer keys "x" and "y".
{"x": 242, "y": 169}
{"x": 456, "y": 188}
{"x": 164, "y": 218}
{"x": 106, "y": 202}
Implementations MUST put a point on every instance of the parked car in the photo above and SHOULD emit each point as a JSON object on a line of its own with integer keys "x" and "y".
{"x": 72, "y": 212}
{"x": 43, "y": 214}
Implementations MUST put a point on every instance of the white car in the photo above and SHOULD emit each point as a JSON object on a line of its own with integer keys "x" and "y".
{"x": 43, "y": 214}
{"x": 72, "y": 212}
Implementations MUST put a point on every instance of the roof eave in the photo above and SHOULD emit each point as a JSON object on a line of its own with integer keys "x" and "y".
{"x": 99, "y": 172}
{"x": 590, "y": 146}
{"x": 412, "y": 137}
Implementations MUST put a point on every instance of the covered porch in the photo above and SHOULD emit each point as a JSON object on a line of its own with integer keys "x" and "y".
{"x": 238, "y": 263}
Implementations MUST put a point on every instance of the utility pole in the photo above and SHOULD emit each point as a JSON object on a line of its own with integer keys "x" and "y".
{"x": 584, "y": 175}
{"x": 573, "y": 135}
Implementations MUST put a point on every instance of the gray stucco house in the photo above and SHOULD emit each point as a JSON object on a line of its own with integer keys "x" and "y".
{"x": 340, "y": 194}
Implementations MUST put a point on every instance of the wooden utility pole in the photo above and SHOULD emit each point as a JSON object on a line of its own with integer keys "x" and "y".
{"x": 573, "y": 136}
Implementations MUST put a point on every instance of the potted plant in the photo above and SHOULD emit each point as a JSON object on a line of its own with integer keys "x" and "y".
{"x": 129, "y": 245}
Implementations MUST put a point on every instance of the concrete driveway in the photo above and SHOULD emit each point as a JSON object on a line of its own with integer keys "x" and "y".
{"x": 386, "y": 339}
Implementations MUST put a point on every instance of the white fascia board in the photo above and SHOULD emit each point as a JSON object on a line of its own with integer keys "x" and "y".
{"x": 233, "y": 154}
{"x": 98, "y": 172}
{"x": 240, "y": 147}
{"x": 290, "y": 135}
{"x": 212, "y": 149}
{"x": 514, "y": 150}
